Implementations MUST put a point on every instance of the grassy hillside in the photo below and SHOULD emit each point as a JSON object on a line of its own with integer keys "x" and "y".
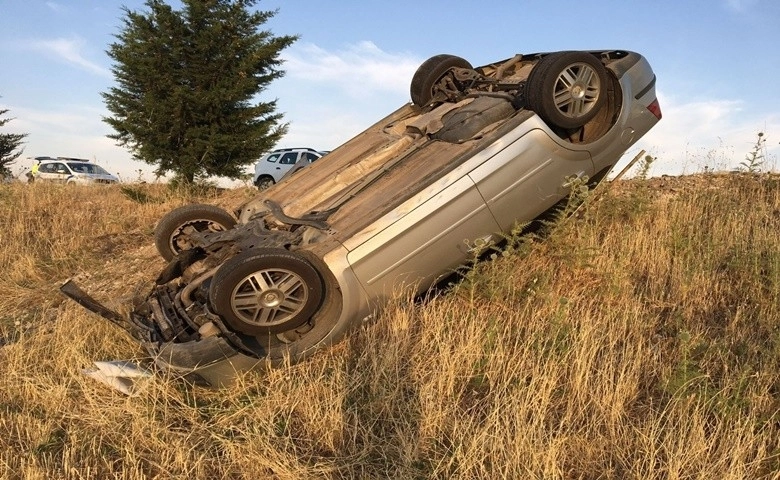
{"x": 639, "y": 340}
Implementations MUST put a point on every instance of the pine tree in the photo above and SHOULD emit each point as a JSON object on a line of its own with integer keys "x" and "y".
{"x": 188, "y": 81}
{"x": 9, "y": 147}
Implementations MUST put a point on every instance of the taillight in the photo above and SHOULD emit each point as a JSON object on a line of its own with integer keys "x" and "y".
{"x": 655, "y": 109}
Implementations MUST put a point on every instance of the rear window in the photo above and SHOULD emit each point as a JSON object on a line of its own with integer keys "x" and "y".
{"x": 289, "y": 158}
{"x": 52, "y": 168}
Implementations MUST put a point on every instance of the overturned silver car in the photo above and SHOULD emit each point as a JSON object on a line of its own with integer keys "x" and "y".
{"x": 394, "y": 209}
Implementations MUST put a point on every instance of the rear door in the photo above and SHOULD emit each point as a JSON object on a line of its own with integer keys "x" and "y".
{"x": 309, "y": 157}
{"x": 54, "y": 172}
{"x": 528, "y": 176}
{"x": 426, "y": 242}
{"x": 285, "y": 163}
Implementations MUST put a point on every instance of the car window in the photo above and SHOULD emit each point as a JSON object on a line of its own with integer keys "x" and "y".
{"x": 310, "y": 157}
{"x": 53, "y": 168}
{"x": 90, "y": 168}
{"x": 289, "y": 158}
{"x": 273, "y": 157}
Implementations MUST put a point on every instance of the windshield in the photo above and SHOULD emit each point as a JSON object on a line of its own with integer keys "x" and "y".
{"x": 87, "y": 168}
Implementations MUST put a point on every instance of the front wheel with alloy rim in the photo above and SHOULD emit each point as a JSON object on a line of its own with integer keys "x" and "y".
{"x": 172, "y": 233}
{"x": 567, "y": 89}
{"x": 266, "y": 291}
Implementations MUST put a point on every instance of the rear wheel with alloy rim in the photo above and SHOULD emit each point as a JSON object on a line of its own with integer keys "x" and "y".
{"x": 567, "y": 89}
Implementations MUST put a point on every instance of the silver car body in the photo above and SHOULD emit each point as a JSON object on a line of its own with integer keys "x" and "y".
{"x": 393, "y": 210}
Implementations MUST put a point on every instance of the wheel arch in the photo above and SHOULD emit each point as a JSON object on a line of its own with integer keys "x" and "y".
{"x": 167, "y": 226}
{"x": 337, "y": 293}
{"x": 264, "y": 176}
{"x": 557, "y": 88}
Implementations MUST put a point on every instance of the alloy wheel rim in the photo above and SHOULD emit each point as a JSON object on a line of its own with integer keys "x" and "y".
{"x": 269, "y": 297}
{"x": 576, "y": 90}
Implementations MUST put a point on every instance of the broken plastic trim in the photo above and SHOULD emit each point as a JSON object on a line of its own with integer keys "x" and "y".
{"x": 72, "y": 291}
{"x": 122, "y": 375}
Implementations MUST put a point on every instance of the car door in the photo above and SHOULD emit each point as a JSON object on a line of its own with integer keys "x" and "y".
{"x": 528, "y": 176}
{"x": 45, "y": 172}
{"x": 54, "y": 172}
{"x": 434, "y": 234}
{"x": 267, "y": 166}
{"x": 309, "y": 157}
{"x": 285, "y": 163}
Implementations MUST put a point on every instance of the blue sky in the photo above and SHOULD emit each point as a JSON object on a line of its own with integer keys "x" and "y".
{"x": 716, "y": 61}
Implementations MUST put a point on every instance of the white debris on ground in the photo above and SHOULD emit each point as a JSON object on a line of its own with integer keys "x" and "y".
{"x": 121, "y": 375}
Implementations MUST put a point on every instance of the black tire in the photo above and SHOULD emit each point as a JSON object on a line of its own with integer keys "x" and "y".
{"x": 266, "y": 291}
{"x": 429, "y": 73}
{"x": 567, "y": 89}
{"x": 171, "y": 234}
{"x": 264, "y": 181}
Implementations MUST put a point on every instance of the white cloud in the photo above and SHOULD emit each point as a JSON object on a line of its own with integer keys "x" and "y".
{"x": 358, "y": 70}
{"x": 713, "y": 134}
{"x": 74, "y": 131}
{"x": 328, "y": 96}
{"x": 59, "y": 120}
{"x": 740, "y": 5}
{"x": 56, "y": 7}
{"x": 319, "y": 99}
{"x": 69, "y": 51}
{"x": 325, "y": 132}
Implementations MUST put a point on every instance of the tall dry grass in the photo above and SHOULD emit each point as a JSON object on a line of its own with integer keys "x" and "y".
{"x": 641, "y": 340}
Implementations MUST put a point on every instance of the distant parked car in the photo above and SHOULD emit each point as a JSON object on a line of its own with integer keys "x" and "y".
{"x": 273, "y": 166}
{"x": 395, "y": 209}
{"x": 71, "y": 170}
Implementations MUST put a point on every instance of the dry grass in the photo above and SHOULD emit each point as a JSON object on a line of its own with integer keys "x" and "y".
{"x": 640, "y": 341}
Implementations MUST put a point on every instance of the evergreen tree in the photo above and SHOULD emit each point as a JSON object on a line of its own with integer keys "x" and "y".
{"x": 9, "y": 147}
{"x": 188, "y": 81}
